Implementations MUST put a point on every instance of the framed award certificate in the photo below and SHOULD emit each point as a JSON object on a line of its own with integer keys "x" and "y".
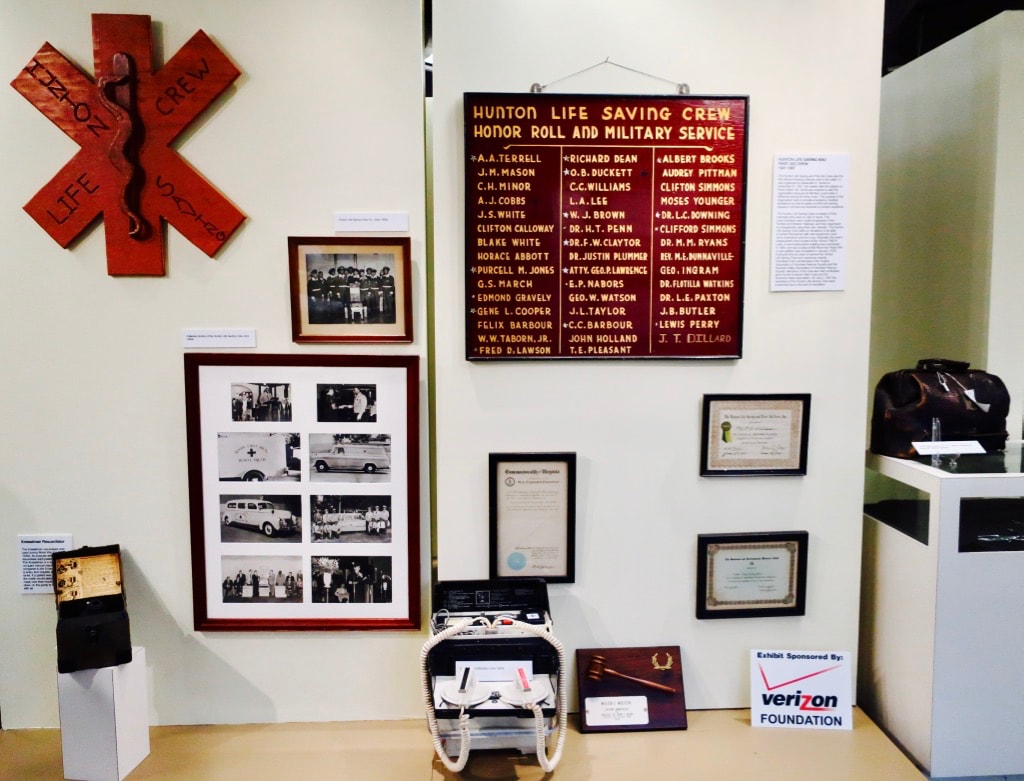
{"x": 755, "y": 434}
{"x": 751, "y": 575}
{"x": 533, "y": 516}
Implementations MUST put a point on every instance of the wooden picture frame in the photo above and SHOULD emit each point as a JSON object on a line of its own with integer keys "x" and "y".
{"x": 307, "y": 466}
{"x": 350, "y": 289}
{"x": 754, "y": 434}
{"x": 532, "y": 501}
{"x": 752, "y": 575}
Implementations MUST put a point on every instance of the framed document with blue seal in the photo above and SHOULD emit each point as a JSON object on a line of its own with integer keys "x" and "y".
{"x": 532, "y": 502}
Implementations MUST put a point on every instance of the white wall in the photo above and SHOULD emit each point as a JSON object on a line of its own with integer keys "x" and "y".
{"x": 1006, "y": 316}
{"x": 811, "y": 70}
{"x": 327, "y": 116}
{"x": 947, "y": 247}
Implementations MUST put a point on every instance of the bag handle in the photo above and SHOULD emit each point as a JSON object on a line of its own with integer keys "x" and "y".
{"x": 942, "y": 365}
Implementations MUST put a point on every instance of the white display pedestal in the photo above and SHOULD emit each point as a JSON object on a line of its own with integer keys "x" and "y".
{"x": 104, "y": 720}
{"x": 942, "y": 626}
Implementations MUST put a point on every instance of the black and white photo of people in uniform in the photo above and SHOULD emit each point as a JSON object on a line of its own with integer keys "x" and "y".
{"x": 358, "y": 518}
{"x": 261, "y": 401}
{"x": 346, "y": 287}
{"x": 363, "y": 579}
{"x": 261, "y": 579}
{"x": 346, "y": 403}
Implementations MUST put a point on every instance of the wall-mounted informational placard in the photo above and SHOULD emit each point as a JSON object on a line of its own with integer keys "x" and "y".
{"x": 604, "y": 226}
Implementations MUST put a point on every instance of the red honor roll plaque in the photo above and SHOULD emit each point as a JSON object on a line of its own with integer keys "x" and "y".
{"x": 604, "y": 226}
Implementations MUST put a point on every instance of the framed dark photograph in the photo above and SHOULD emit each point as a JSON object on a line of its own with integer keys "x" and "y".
{"x": 533, "y": 516}
{"x": 304, "y": 515}
{"x": 759, "y": 574}
{"x": 757, "y": 434}
{"x": 350, "y": 289}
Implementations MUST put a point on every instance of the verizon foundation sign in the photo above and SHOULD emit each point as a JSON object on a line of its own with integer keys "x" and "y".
{"x": 802, "y": 689}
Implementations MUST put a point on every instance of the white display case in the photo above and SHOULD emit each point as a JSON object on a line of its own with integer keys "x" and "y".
{"x": 942, "y": 613}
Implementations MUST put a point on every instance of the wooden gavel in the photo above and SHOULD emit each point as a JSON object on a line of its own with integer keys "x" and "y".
{"x": 597, "y": 669}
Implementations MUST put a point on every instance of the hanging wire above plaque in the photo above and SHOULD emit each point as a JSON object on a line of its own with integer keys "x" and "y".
{"x": 681, "y": 87}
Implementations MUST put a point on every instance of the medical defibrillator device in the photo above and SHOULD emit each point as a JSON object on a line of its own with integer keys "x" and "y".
{"x": 494, "y": 674}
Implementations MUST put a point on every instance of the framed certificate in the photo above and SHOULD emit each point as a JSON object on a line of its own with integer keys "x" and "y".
{"x": 755, "y": 434}
{"x": 533, "y": 516}
{"x": 751, "y": 575}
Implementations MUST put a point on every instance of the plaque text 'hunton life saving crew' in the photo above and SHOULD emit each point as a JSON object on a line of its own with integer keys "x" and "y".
{"x": 604, "y": 226}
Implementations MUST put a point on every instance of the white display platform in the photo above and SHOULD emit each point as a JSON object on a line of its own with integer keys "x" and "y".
{"x": 941, "y": 628}
{"x": 104, "y": 720}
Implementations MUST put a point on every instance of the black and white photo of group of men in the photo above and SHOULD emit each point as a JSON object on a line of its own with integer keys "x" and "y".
{"x": 350, "y": 287}
{"x": 346, "y": 403}
{"x": 261, "y": 401}
{"x": 363, "y": 579}
{"x": 261, "y": 579}
{"x": 350, "y": 518}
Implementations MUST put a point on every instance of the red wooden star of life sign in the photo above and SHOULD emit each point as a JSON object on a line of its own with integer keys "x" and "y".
{"x": 125, "y": 121}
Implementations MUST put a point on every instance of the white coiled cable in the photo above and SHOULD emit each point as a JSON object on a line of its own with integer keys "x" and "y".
{"x": 547, "y": 763}
{"x": 428, "y": 697}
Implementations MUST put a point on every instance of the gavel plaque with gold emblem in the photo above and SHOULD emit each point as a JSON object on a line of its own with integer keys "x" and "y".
{"x": 627, "y": 689}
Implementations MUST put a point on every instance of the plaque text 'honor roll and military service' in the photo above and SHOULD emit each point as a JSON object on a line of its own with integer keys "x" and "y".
{"x": 604, "y": 226}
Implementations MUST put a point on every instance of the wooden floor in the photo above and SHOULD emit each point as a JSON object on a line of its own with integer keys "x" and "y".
{"x": 719, "y": 744}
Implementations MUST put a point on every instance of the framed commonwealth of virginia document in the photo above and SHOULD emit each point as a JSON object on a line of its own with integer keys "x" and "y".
{"x": 533, "y": 516}
{"x": 751, "y": 575}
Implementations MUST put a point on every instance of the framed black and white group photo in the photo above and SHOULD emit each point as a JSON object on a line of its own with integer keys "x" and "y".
{"x": 350, "y": 289}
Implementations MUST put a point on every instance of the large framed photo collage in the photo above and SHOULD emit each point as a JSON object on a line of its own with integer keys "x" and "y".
{"x": 303, "y": 477}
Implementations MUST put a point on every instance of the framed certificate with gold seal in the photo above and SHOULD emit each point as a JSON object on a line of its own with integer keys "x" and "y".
{"x": 755, "y": 434}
